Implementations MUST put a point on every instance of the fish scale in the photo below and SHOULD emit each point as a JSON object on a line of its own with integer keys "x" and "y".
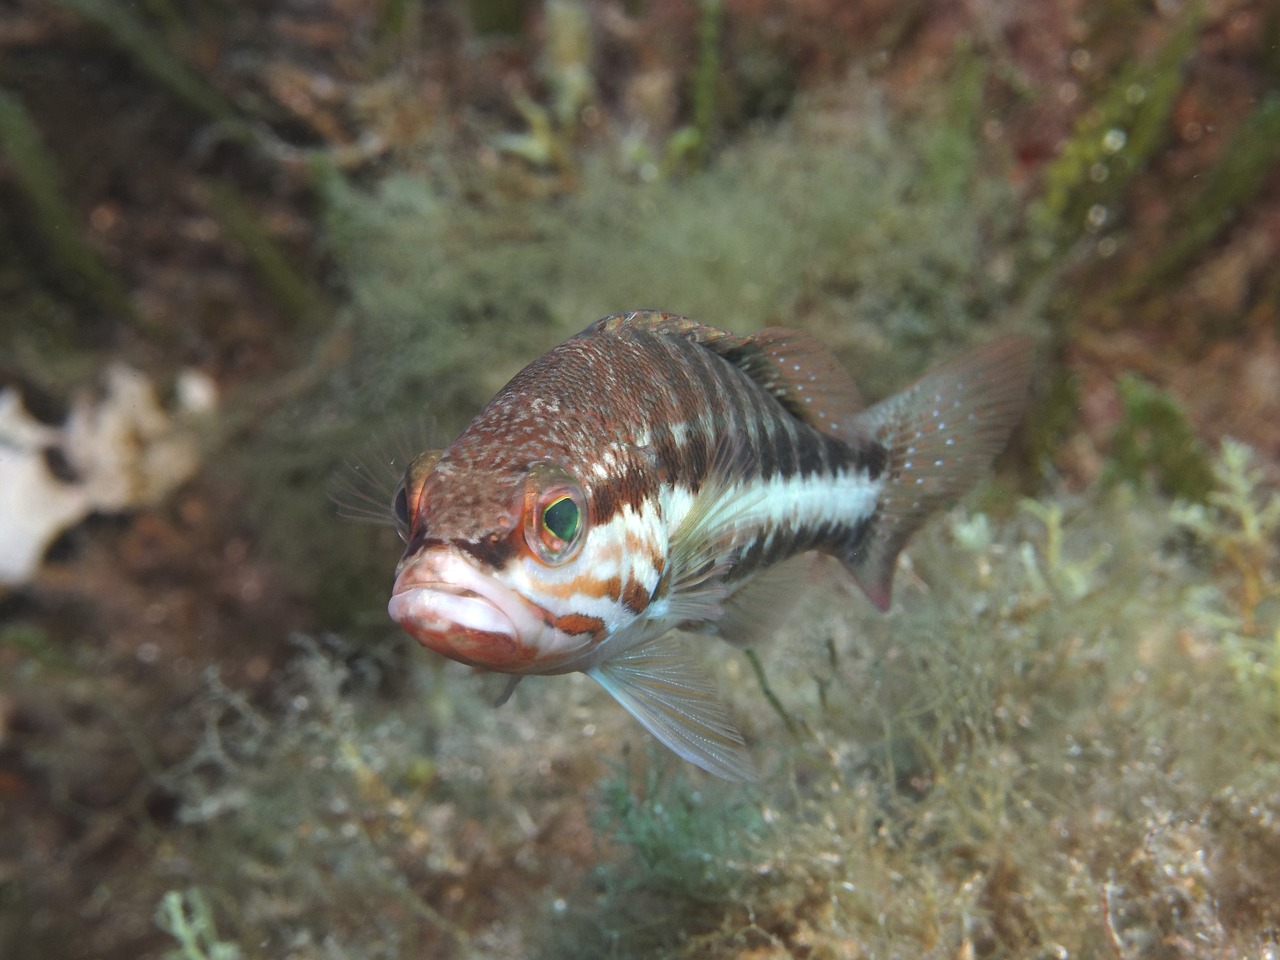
{"x": 639, "y": 479}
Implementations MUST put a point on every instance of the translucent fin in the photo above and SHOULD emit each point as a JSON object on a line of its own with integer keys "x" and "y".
{"x": 941, "y": 435}
{"x": 803, "y": 375}
{"x": 755, "y": 612}
{"x": 508, "y": 689}
{"x": 669, "y": 693}
{"x": 364, "y": 487}
{"x": 798, "y": 370}
{"x": 703, "y": 546}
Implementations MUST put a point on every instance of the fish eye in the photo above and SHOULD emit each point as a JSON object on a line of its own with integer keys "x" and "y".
{"x": 554, "y": 515}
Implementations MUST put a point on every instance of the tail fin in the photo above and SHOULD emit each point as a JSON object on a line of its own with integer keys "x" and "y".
{"x": 941, "y": 435}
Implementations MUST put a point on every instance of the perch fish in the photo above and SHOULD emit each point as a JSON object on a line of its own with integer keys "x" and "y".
{"x": 641, "y": 480}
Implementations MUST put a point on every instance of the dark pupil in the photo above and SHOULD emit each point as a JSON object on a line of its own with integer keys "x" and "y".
{"x": 561, "y": 518}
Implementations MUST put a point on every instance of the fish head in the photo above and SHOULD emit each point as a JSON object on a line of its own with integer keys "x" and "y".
{"x": 506, "y": 568}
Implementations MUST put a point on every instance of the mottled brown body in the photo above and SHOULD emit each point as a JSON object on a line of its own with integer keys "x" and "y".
{"x": 629, "y": 407}
{"x": 638, "y": 478}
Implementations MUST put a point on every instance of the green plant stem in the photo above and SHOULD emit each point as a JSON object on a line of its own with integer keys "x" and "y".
{"x": 1246, "y": 163}
{"x": 769, "y": 695}
{"x": 288, "y": 287}
{"x": 132, "y": 37}
{"x": 71, "y": 257}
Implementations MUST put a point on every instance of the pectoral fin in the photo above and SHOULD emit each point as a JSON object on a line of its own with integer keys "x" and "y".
{"x": 661, "y": 686}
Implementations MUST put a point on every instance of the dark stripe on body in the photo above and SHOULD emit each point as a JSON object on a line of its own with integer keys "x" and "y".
{"x": 722, "y": 405}
{"x": 788, "y": 541}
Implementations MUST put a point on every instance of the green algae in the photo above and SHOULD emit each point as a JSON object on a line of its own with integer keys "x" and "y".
{"x": 890, "y": 247}
{"x": 1021, "y": 759}
{"x": 295, "y": 295}
{"x": 70, "y": 257}
{"x": 1235, "y": 180}
{"x": 1114, "y": 140}
{"x": 188, "y": 917}
{"x": 1155, "y": 444}
{"x": 1240, "y": 526}
{"x": 132, "y": 36}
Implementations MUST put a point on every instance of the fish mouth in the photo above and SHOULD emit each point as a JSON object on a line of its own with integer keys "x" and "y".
{"x": 447, "y": 604}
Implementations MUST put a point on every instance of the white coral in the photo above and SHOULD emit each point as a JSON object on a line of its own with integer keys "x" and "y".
{"x": 123, "y": 448}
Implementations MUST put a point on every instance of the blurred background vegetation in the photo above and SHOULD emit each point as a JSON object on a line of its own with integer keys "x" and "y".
{"x": 355, "y": 217}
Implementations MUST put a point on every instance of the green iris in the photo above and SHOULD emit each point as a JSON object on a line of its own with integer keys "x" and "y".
{"x": 561, "y": 519}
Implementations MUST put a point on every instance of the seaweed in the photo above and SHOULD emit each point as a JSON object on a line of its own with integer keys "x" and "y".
{"x": 1019, "y": 760}
{"x": 74, "y": 261}
{"x": 690, "y": 146}
{"x": 1155, "y": 444}
{"x": 1240, "y": 173}
{"x": 1240, "y": 525}
{"x": 674, "y": 860}
{"x": 152, "y": 55}
{"x": 188, "y": 917}
{"x": 297, "y": 297}
{"x": 1113, "y": 141}
{"x": 566, "y": 69}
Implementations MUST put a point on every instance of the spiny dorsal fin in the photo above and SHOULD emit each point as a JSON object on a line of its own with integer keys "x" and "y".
{"x": 801, "y": 374}
{"x": 941, "y": 435}
{"x": 667, "y": 324}
{"x": 797, "y": 370}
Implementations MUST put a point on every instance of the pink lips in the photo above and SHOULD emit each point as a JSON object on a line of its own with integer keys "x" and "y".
{"x": 450, "y": 606}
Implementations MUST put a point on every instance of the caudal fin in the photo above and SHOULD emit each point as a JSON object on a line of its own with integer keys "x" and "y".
{"x": 941, "y": 435}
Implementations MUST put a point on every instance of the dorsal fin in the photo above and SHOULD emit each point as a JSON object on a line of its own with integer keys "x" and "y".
{"x": 796, "y": 369}
{"x": 666, "y": 324}
{"x": 801, "y": 373}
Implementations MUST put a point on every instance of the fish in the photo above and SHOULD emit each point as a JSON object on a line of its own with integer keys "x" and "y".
{"x": 635, "y": 488}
